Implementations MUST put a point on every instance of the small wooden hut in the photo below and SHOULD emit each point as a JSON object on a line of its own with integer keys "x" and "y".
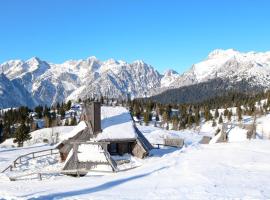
{"x": 108, "y": 131}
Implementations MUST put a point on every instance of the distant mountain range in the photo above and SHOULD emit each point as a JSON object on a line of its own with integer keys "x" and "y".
{"x": 220, "y": 72}
{"x": 35, "y": 82}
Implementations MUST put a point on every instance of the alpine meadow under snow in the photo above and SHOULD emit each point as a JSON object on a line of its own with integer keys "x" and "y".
{"x": 238, "y": 169}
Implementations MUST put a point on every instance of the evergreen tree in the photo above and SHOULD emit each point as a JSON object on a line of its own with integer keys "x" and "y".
{"x": 68, "y": 105}
{"x": 58, "y": 107}
{"x": 157, "y": 117}
{"x": 66, "y": 122}
{"x": 239, "y": 113}
{"x": 165, "y": 118}
{"x": 137, "y": 110}
{"x": 22, "y": 134}
{"x": 168, "y": 109}
{"x": 197, "y": 117}
{"x": 62, "y": 112}
{"x": 261, "y": 110}
{"x": 226, "y": 112}
{"x": 220, "y": 120}
{"x": 175, "y": 121}
{"x": 182, "y": 125}
{"x": 1, "y": 131}
{"x": 6, "y": 131}
{"x": 230, "y": 115}
{"x": 190, "y": 121}
{"x": 207, "y": 114}
{"x": 146, "y": 118}
{"x": 214, "y": 123}
{"x": 39, "y": 111}
{"x": 102, "y": 100}
{"x": 48, "y": 121}
{"x": 73, "y": 121}
{"x": 216, "y": 114}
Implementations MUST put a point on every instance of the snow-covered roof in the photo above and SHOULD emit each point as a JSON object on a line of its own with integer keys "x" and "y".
{"x": 80, "y": 127}
{"x": 116, "y": 123}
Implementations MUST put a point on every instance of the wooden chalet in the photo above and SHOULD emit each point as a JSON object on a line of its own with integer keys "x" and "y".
{"x": 102, "y": 133}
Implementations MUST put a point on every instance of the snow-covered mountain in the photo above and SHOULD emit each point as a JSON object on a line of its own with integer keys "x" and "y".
{"x": 220, "y": 72}
{"x": 13, "y": 94}
{"x": 48, "y": 83}
{"x": 229, "y": 65}
{"x": 169, "y": 77}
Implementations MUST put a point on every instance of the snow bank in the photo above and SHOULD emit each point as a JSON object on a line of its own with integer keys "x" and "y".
{"x": 49, "y": 133}
{"x": 4, "y": 177}
{"x": 237, "y": 134}
{"x": 156, "y": 135}
{"x": 52, "y": 135}
{"x": 263, "y": 127}
{"x": 116, "y": 123}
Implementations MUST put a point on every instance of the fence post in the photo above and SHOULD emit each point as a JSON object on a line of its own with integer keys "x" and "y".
{"x": 39, "y": 176}
{"x": 75, "y": 153}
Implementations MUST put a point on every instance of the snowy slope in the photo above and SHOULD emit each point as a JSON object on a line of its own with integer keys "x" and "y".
{"x": 239, "y": 169}
{"x": 218, "y": 171}
{"x": 169, "y": 77}
{"x": 13, "y": 93}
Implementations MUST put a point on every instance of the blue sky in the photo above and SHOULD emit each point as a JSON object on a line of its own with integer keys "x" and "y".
{"x": 166, "y": 34}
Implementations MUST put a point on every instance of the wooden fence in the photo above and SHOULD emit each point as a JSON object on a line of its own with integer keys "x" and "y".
{"x": 23, "y": 158}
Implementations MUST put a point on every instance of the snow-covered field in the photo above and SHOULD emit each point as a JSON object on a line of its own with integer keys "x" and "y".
{"x": 239, "y": 169}
{"x": 218, "y": 171}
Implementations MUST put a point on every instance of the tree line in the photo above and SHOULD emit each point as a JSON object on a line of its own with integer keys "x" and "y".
{"x": 17, "y": 123}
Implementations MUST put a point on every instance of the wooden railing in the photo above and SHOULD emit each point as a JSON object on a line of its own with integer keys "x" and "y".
{"x": 29, "y": 156}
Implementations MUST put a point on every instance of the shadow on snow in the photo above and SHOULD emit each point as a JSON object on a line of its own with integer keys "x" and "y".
{"x": 98, "y": 188}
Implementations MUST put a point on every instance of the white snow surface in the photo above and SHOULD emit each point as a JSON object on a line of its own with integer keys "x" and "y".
{"x": 80, "y": 127}
{"x": 263, "y": 127}
{"x": 52, "y": 135}
{"x": 239, "y": 169}
{"x": 116, "y": 123}
{"x": 237, "y": 134}
{"x": 91, "y": 152}
{"x": 219, "y": 171}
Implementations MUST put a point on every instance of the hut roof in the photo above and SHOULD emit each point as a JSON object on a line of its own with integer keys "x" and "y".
{"x": 116, "y": 123}
{"x": 80, "y": 127}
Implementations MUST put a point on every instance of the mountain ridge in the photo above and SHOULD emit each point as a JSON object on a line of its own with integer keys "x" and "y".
{"x": 49, "y": 83}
